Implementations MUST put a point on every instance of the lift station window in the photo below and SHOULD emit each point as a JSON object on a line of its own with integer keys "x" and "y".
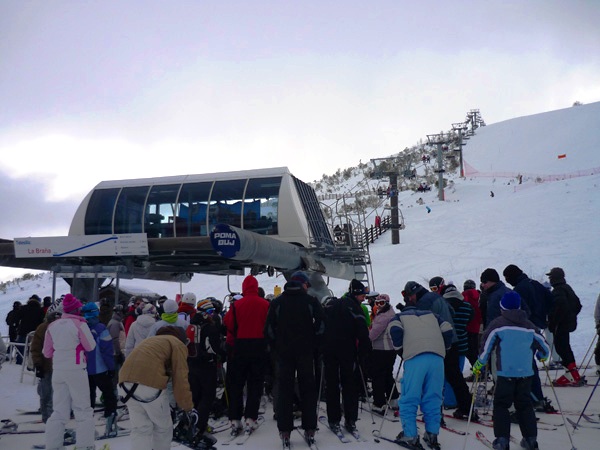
{"x": 100, "y": 210}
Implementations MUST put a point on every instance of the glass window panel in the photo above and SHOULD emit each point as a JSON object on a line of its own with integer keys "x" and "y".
{"x": 160, "y": 207}
{"x": 261, "y": 205}
{"x": 99, "y": 213}
{"x": 129, "y": 214}
{"x": 192, "y": 209}
{"x": 226, "y": 203}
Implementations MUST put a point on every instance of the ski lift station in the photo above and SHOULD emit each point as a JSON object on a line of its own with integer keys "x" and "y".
{"x": 169, "y": 228}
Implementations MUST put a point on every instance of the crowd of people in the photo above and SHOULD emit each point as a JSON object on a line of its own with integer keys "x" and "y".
{"x": 183, "y": 361}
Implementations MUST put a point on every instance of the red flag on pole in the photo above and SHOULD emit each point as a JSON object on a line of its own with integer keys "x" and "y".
{"x": 564, "y": 155}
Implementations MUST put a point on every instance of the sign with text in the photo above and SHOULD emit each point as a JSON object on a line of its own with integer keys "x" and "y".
{"x": 93, "y": 245}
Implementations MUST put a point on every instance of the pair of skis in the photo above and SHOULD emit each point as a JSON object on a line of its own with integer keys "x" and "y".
{"x": 243, "y": 434}
{"x": 340, "y": 434}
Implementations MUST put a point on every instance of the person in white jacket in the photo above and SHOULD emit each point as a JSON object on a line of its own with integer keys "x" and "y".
{"x": 66, "y": 341}
{"x": 138, "y": 331}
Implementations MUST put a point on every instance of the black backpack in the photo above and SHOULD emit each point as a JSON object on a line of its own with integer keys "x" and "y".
{"x": 543, "y": 295}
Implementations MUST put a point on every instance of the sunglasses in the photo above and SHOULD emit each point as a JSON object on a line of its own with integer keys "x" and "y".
{"x": 433, "y": 288}
{"x": 380, "y": 302}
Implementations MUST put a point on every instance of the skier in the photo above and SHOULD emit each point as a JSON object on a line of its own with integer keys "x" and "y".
{"x": 434, "y": 302}
{"x": 204, "y": 351}
{"x": 294, "y": 328}
{"x": 471, "y": 296}
{"x": 514, "y": 339}
{"x": 421, "y": 338}
{"x": 562, "y": 321}
{"x": 144, "y": 378}
{"x": 383, "y": 356}
{"x": 101, "y": 366}
{"x": 43, "y": 365}
{"x": 66, "y": 341}
{"x": 146, "y": 318}
{"x": 245, "y": 320}
{"x": 346, "y": 344}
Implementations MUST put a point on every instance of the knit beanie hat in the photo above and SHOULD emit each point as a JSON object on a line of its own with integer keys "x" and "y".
{"x": 189, "y": 298}
{"x": 357, "y": 288}
{"x": 489, "y": 275}
{"x": 70, "y": 303}
{"x": 90, "y": 310}
{"x": 510, "y": 300}
{"x": 512, "y": 273}
{"x": 301, "y": 277}
{"x": 170, "y": 306}
{"x": 436, "y": 282}
{"x": 149, "y": 309}
{"x": 469, "y": 284}
{"x": 205, "y": 306}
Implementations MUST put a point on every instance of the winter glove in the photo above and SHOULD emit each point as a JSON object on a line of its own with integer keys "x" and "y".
{"x": 477, "y": 368}
{"x": 39, "y": 371}
{"x": 193, "y": 417}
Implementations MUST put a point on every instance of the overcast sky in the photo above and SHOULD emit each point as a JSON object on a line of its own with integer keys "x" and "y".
{"x": 107, "y": 89}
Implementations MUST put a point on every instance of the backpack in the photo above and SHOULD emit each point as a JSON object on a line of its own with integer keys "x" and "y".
{"x": 544, "y": 296}
{"x": 198, "y": 348}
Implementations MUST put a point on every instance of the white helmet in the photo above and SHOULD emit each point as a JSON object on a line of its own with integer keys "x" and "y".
{"x": 189, "y": 298}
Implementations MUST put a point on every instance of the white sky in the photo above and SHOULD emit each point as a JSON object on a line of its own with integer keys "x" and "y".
{"x": 111, "y": 89}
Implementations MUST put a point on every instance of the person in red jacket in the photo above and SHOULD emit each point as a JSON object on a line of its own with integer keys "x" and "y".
{"x": 245, "y": 321}
{"x": 471, "y": 296}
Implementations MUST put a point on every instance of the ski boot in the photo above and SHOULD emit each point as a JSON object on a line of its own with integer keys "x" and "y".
{"x": 411, "y": 443}
{"x": 431, "y": 440}
{"x": 111, "y": 429}
{"x": 501, "y": 443}
{"x": 529, "y": 443}
{"x": 285, "y": 439}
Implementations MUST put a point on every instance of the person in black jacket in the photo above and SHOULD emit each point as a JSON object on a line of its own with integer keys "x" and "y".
{"x": 562, "y": 321}
{"x": 345, "y": 325}
{"x": 12, "y": 320}
{"x": 30, "y": 317}
{"x": 204, "y": 352}
{"x": 294, "y": 328}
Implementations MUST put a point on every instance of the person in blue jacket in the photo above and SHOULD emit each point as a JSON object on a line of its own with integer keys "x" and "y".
{"x": 515, "y": 340}
{"x": 101, "y": 365}
{"x": 421, "y": 338}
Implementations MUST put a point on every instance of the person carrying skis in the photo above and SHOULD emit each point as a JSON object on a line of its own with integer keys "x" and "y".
{"x": 421, "y": 338}
{"x": 514, "y": 339}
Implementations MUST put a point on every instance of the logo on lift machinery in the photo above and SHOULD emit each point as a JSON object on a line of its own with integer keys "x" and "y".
{"x": 225, "y": 241}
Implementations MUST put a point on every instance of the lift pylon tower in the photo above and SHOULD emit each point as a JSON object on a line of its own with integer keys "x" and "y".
{"x": 440, "y": 140}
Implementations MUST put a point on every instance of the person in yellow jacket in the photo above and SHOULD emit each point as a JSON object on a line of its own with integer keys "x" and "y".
{"x": 144, "y": 377}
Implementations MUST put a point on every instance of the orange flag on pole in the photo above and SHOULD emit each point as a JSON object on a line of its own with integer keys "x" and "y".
{"x": 564, "y": 155}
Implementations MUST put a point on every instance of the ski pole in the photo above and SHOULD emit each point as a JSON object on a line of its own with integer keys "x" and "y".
{"x": 475, "y": 385}
{"x": 585, "y": 366}
{"x": 387, "y": 405}
{"x": 558, "y": 404}
{"x": 587, "y": 403}
{"x": 320, "y": 384}
{"x": 362, "y": 376}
